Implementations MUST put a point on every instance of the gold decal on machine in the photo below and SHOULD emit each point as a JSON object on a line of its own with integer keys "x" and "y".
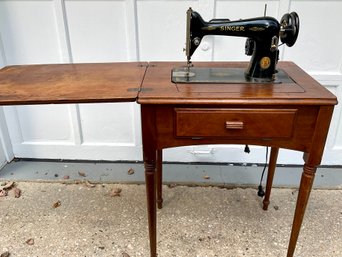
{"x": 256, "y": 28}
{"x": 232, "y": 28}
{"x": 265, "y": 63}
{"x": 209, "y": 28}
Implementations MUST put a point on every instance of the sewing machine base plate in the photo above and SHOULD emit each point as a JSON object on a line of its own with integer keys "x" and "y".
{"x": 200, "y": 75}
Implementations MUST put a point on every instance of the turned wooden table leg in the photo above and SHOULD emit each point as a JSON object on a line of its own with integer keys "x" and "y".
{"x": 270, "y": 175}
{"x": 150, "y": 179}
{"x": 303, "y": 197}
{"x": 159, "y": 178}
{"x": 312, "y": 159}
{"x": 150, "y": 156}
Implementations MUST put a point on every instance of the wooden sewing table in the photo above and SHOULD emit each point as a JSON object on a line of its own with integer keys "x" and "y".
{"x": 291, "y": 115}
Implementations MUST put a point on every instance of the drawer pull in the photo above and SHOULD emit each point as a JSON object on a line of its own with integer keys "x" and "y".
{"x": 234, "y": 125}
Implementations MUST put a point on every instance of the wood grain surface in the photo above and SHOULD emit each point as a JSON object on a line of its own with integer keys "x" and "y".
{"x": 70, "y": 83}
{"x": 160, "y": 89}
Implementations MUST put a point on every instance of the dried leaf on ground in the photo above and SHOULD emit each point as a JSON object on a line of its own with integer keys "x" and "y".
{"x": 206, "y": 177}
{"x": 8, "y": 185}
{"x": 57, "y": 204}
{"x": 171, "y": 185}
{"x": 5, "y": 254}
{"x": 88, "y": 184}
{"x": 3, "y": 193}
{"x": 30, "y": 241}
{"x": 130, "y": 171}
{"x": 17, "y": 192}
{"x": 115, "y": 192}
{"x": 82, "y": 174}
{"x": 125, "y": 255}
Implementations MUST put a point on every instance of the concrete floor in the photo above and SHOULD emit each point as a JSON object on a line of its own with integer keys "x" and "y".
{"x": 195, "y": 221}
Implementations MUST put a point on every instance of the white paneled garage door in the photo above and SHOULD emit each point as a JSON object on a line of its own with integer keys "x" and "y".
{"x": 78, "y": 31}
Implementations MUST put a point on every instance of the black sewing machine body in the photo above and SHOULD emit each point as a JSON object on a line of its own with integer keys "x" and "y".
{"x": 262, "y": 33}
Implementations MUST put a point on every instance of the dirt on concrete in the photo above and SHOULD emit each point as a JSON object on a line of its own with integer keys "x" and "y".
{"x": 56, "y": 219}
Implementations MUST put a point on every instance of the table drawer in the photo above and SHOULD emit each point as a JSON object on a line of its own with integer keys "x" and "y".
{"x": 246, "y": 123}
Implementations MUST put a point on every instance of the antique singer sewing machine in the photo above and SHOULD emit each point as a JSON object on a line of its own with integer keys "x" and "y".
{"x": 263, "y": 36}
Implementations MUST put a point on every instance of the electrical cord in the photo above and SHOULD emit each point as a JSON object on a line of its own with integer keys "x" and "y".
{"x": 261, "y": 191}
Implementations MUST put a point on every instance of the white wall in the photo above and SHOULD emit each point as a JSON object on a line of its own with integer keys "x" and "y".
{"x": 62, "y": 31}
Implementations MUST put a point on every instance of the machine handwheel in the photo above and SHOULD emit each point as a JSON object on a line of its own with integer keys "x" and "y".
{"x": 289, "y": 28}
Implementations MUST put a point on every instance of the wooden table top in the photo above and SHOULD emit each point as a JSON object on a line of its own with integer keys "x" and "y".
{"x": 118, "y": 82}
{"x": 158, "y": 88}
{"x": 71, "y": 83}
